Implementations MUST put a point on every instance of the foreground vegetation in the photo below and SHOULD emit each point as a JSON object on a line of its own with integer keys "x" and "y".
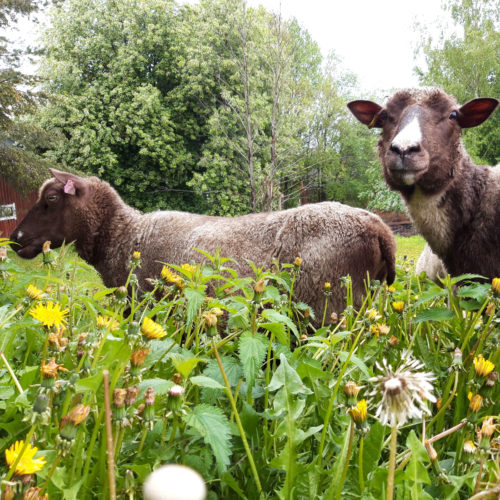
{"x": 235, "y": 382}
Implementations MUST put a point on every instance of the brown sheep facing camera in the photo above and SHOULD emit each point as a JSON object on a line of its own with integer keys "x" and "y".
{"x": 333, "y": 240}
{"x": 454, "y": 203}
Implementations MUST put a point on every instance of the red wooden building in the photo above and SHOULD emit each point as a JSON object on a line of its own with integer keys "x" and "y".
{"x": 13, "y": 207}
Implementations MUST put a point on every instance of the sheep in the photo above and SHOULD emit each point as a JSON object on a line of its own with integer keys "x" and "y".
{"x": 452, "y": 201}
{"x": 431, "y": 264}
{"x": 333, "y": 240}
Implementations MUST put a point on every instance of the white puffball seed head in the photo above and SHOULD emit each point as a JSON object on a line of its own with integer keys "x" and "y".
{"x": 174, "y": 482}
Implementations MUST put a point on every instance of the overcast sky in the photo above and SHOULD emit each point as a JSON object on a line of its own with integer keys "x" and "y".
{"x": 375, "y": 39}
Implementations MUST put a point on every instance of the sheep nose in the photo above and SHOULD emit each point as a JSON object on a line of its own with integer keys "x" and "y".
{"x": 406, "y": 150}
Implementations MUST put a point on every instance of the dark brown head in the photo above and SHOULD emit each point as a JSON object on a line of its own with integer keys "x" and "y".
{"x": 420, "y": 140}
{"x": 52, "y": 218}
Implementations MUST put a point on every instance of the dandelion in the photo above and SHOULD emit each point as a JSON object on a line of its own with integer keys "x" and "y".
{"x": 28, "y": 464}
{"x": 351, "y": 388}
{"x": 34, "y": 493}
{"x": 390, "y": 289}
{"x": 373, "y": 315}
{"x": 297, "y": 262}
{"x": 393, "y": 341}
{"x": 259, "y": 286}
{"x": 359, "y": 412}
{"x": 482, "y": 366}
{"x": 190, "y": 269}
{"x": 476, "y": 402}
{"x": 210, "y": 318}
{"x": 170, "y": 277}
{"x": 138, "y": 358}
{"x": 50, "y": 314}
{"x": 495, "y": 285}
{"x": 469, "y": 447}
{"x": 107, "y": 322}
{"x": 327, "y": 285}
{"x": 404, "y": 392}
{"x": 398, "y": 306}
{"x": 34, "y": 293}
{"x": 151, "y": 329}
{"x": 50, "y": 369}
{"x": 488, "y": 427}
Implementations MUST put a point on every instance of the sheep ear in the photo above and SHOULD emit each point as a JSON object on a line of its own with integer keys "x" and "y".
{"x": 72, "y": 183}
{"x": 367, "y": 112}
{"x": 475, "y": 112}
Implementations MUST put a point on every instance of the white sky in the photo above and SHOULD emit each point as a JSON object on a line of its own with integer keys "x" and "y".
{"x": 375, "y": 39}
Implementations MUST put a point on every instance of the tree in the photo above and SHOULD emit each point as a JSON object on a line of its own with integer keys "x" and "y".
{"x": 21, "y": 142}
{"x": 114, "y": 69}
{"x": 467, "y": 66}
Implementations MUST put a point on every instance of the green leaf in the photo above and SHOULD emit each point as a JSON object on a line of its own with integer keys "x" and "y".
{"x": 372, "y": 448}
{"x": 415, "y": 470}
{"x": 279, "y": 331}
{"x": 160, "y": 386}
{"x": 286, "y": 376}
{"x": 203, "y": 381}
{"x": 253, "y": 350}
{"x": 195, "y": 298}
{"x": 434, "y": 314}
{"x": 276, "y": 317}
{"x": 90, "y": 383}
{"x": 215, "y": 430}
{"x": 184, "y": 363}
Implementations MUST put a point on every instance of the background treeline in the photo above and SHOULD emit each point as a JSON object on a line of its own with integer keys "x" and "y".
{"x": 216, "y": 107}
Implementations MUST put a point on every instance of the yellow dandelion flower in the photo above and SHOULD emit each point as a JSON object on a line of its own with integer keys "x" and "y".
{"x": 210, "y": 318}
{"x": 297, "y": 262}
{"x": 107, "y": 322}
{"x": 136, "y": 255}
{"x": 170, "y": 277}
{"x": 260, "y": 286}
{"x": 28, "y": 464}
{"x": 398, "y": 306}
{"x": 476, "y": 402}
{"x": 77, "y": 415}
{"x": 495, "y": 285}
{"x": 327, "y": 285}
{"x": 33, "y": 292}
{"x": 50, "y": 314}
{"x": 373, "y": 315}
{"x": 189, "y": 268}
{"x": 390, "y": 289}
{"x": 482, "y": 366}
{"x": 359, "y": 412}
{"x": 151, "y": 329}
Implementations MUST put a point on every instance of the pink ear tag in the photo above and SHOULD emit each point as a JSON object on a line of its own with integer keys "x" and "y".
{"x": 69, "y": 187}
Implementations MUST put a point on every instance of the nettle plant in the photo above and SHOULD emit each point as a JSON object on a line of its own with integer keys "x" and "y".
{"x": 227, "y": 375}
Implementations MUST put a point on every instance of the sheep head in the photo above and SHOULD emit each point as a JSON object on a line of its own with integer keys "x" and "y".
{"x": 54, "y": 217}
{"x": 420, "y": 139}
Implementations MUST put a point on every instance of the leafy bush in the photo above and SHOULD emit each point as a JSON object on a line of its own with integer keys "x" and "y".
{"x": 226, "y": 375}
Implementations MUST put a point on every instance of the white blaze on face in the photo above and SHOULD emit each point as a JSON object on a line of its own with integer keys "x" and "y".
{"x": 409, "y": 136}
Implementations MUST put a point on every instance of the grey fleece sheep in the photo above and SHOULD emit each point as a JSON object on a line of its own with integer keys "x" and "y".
{"x": 333, "y": 240}
{"x": 453, "y": 202}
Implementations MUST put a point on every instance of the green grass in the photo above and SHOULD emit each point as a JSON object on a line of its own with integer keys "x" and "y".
{"x": 409, "y": 248}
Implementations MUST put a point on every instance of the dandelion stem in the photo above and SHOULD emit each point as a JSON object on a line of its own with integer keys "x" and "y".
{"x": 324, "y": 312}
{"x": 11, "y": 372}
{"x": 447, "y": 432}
{"x": 109, "y": 437}
{"x": 392, "y": 463}
{"x": 143, "y": 440}
{"x": 51, "y": 472}
{"x": 238, "y": 422}
{"x": 360, "y": 464}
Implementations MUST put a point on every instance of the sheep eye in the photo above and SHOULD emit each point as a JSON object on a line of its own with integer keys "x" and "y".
{"x": 51, "y": 197}
{"x": 453, "y": 115}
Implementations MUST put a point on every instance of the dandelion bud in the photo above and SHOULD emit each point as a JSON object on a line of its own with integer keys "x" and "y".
{"x": 47, "y": 254}
{"x": 351, "y": 389}
{"x": 393, "y": 341}
{"x": 210, "y": 318}
{"x": 303, "y": 337}
{"x": 149, "y": 397}
{"x": 373, "y": 315}
{"x": 175, "y": 397}
{"x": 131, "y": 396}
{"x": 137, "y": 359}
{"x": 177, "y": 378}
{"x": 488, "y": 427}
{"x": 34, "y": 494}
{"x": 476, "y": 402}
{"x": 491, "y": 379}
{"x": 119, "y": 397}
{"x": 495, "y": 285}
{"x": 334, "y": 318}
{"x": 133, "y": 330}
{"x": 149, "y": 410}
{"x": 121, "y": 292}
{"x": 297, "y": 262}
{"x": 33, "y": 292}
{"x": 469, "y": 447}
{"x": 70, "y": 423}
{"x": 136, "y": 259}
{"x": 457, "y": 360}
{"x": 259, "y": 286}
{"x": 327, "y": 285}
{"x": 8, "y": 492}
{"x": 490, "y": 309}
